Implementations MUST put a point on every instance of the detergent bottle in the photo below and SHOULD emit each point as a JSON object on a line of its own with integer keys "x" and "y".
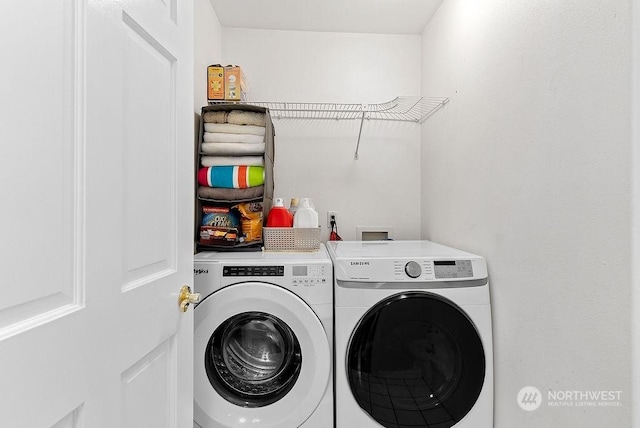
{"x": 279, "y": 216}
{"x": 305, "y": 216}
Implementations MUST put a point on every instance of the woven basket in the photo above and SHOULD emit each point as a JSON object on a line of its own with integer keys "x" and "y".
{"x": 291, "y": 238}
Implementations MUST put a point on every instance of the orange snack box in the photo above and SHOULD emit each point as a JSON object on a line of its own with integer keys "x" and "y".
{"x": 215, "y": 82}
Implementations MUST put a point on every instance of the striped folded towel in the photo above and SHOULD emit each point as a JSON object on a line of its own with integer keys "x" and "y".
{"x": 231, "y": 177}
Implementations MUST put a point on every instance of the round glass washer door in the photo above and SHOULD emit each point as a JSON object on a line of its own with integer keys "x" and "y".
{"x": 261, "y": 356}
{"x": 416, "y": 359}
{"x": 253, "y": 359}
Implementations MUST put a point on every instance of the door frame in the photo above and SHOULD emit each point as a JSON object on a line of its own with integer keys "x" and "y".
{"x": 635, "y": 209}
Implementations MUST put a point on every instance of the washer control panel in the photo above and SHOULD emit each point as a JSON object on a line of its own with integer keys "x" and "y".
{"x": 253, "y": 270}
{"x": 308, "y": 275}
{"x": 305, "y": 275}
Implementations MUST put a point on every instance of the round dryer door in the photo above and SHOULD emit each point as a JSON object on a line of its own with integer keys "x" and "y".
{"x": 416, "y": 359}
{"x": 261, "y": 358}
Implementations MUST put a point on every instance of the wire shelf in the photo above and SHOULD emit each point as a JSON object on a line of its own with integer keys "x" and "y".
{"x": 404, "y": 109}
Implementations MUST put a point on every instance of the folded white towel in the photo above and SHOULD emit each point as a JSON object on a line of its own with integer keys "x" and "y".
{"x": 232, "y": 148}
{"x": 230, "y": 128}
{"x": 232, "y": 160}
{"x": 218, "y": 137}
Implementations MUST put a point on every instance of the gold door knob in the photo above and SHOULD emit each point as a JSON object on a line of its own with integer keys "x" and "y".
{"x": 186, "y": 297}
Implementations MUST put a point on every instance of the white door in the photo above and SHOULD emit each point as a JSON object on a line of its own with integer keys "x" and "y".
{"x": 96, "y": 176}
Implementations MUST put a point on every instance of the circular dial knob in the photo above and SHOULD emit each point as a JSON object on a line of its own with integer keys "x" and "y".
{"x": 413, "y": 269}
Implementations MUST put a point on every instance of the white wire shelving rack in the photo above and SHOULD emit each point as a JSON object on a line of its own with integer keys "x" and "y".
{"x": 405, "y": 109}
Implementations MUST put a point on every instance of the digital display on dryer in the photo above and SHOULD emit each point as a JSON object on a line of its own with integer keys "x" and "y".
{"x": 452, "y": 269}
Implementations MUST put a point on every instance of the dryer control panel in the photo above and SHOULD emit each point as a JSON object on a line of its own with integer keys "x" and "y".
{"x": 403, "y": 270}
{"x": 432, "y": 269}
{"x": 453, "y": 268}
{"x": 403, "y": 262}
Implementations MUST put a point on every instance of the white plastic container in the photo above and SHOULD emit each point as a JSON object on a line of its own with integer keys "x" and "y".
{"x": 305, "y": 215}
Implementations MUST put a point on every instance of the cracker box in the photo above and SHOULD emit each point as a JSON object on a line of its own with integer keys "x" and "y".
{"x": 235, "y": 86}
{"x": 215, "y": 82}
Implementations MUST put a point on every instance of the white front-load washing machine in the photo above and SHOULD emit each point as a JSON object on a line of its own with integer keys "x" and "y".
{"x": 413, "y": 337}
{"x": 263, "y": 340}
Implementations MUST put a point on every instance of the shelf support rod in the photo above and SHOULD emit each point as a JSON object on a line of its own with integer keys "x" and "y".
{"x": 355, "y": 156}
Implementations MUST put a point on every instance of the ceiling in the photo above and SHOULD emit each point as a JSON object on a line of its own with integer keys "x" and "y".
{"x": 343, "y": 16}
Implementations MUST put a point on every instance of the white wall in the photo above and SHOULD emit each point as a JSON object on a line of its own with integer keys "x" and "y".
{"x": 316, "y": 158}
{"x": 207, "y": 49}
{"x": 528, "y": 165}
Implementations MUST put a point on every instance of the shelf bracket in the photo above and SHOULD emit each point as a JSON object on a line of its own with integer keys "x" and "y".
{"x": 355, "y": 156}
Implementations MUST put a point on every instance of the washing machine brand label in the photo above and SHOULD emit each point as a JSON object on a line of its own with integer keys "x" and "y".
{"x": 200, "y": 271}
{"x": 359, "y": 263}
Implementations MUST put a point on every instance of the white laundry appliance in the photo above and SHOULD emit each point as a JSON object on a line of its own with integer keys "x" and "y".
{"x": 413, "y": 337}
{"x": 263, "y": 340}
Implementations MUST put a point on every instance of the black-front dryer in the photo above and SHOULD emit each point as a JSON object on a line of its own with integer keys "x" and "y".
{"x": 413, "y": 336}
